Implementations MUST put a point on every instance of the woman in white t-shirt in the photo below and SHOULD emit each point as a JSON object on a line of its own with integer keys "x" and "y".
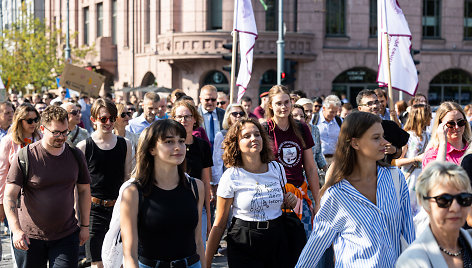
{"x": 252, "y": 184}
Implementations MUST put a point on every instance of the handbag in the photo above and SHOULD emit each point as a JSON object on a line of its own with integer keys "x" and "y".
{"x": 293, "y": 228}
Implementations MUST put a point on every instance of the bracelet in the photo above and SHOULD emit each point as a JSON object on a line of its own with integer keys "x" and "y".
{"x": 84, "y": 225}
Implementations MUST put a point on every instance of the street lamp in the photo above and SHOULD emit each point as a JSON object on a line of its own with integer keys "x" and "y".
{"x": 67, "y": 50}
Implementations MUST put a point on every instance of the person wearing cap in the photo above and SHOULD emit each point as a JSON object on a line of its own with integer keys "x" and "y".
{"x": 260, "y": 110}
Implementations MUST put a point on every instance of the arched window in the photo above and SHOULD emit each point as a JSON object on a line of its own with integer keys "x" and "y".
{"x": 431, "y": 19}
{"x": 352, "y": 81}
{"x": 450, "y": 85}
{"x": 218, "y": 79}
{"x": 335, "y": 17}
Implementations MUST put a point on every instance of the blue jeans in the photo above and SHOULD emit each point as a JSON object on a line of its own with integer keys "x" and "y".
{"x": 195, "y": 265}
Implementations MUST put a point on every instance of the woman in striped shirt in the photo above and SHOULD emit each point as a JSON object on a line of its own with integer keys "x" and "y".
{"x": 361, "y": 212}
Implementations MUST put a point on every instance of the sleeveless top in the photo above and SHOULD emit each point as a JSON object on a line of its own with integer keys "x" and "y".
{"x": 106, "y": 167}
{"x": 166, "y": 224}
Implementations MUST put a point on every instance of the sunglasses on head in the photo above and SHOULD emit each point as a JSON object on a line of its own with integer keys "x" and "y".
{"x": 123, "y": 115}
{"x": 235, "y": 114}
{"x": 459, "y": 123}
{"x": 31, "y": 120}
{"x": 74, "y": 112}
{"x": 104, "y": 119}
{"x": 212, "y": 100}
{"x": 445, "y": 200}
{"x": 221, "y": 103}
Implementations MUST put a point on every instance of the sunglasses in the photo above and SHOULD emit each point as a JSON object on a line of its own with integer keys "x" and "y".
{"x": 419, "y": 105}
{"x": 129, "y": 114}
{"x": 57, "y": 133}
{"x": 169, "y": 106}
{"x": 235, "y": 114}
{"x": 132, "y": 109}
{"x": 370, "y": 103}
{"x": 64, "y": 92}
{"x": 459, "y": 123}
{"x": 318, "y": 106}
{"x": 208, "y": 100}
{"x": 75, "y": 112}
{"x": 32, "y": 120}
{"x": 445, "y": 200}
{"x": 221, "y": 103}
{"x": 105, "y": 119}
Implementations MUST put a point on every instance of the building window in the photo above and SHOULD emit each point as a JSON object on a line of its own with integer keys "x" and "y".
{"x": 114, "y": 19}
{"x": 271, "y": 15}
{"x": 147, "y": 21}
{"x": 335, "y": 18}
{"x": 373, "y": 18}
{"x": 86, "y": 25}
{"x": 468, "y": 19}
{"x": 431, "y": 19}
{"x": 216, "y": 15}
{"x": 99, "y": 19}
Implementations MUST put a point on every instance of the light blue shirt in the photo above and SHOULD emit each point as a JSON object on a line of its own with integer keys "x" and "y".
{"x": 329, "y": 132}
{"x": 3, "y": 132}
{"x": 317, "y": 154}
{"x": 138, "y": 124}
{"x": 206, "y": 121}
{"x": 364, "y": 234}
{"x": 386, "y": 116}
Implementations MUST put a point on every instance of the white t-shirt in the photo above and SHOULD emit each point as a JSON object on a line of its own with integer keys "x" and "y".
{"x": 257, "y": 196}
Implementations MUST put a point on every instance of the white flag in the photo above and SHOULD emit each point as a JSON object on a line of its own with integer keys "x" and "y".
{"x": 2, "y": 86}
{"x": 245, "y": 25}
{"x": 403, "y": 72}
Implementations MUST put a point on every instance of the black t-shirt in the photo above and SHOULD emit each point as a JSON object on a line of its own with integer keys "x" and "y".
{"x": 198, "y": 157}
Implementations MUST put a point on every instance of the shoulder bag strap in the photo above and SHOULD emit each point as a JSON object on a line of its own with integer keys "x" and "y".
{"x": 195, "y": 188}
{"x": 76, "y": 134}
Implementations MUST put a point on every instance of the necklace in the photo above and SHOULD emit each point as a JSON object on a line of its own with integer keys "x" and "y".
{"x": 451, "y": 253}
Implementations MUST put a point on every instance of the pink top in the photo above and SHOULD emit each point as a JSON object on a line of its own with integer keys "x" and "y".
{"x": 453, "y": 155}
{"x": 8, "y": 150}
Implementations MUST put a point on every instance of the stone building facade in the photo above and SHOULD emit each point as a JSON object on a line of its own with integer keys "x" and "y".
{"x": 331, "y": 44}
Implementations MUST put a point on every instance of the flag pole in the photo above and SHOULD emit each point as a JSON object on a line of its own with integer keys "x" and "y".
{"x": 389, "y": 74}
{"x": 234, "y": 53}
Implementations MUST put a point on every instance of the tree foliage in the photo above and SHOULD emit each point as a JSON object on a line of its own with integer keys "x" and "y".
{"x": 33, "y": 53}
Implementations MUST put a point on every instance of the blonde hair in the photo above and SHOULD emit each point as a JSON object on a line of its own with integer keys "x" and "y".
{"x": 440, "y": 173}
{"x": 228, "y": 113}
{"x": 443, "y": 109}
{"x": 16, "y": 129}
{"x": 418, "y": 119}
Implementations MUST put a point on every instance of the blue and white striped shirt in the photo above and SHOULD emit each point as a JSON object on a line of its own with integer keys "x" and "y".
{"x": 364, "y": 234}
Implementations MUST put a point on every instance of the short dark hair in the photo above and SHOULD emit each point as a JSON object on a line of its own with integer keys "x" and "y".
{"x": 299, "y": 93}
{"x": 381, "y": 93}
{"x": 54, "y": 113}
{"x": 318, "y": 99}
{"x": 364, "y": 93}
{"x": 246, "y": 99}
{"x": 103, "y": 103}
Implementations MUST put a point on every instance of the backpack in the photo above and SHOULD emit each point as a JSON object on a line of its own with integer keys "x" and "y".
{"x": 316, "y": 118}
{"x": 112, "y": 247}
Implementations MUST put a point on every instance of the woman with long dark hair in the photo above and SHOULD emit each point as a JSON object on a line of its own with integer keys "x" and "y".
{"x": 362, "y": 213}
{"x": 161, "y": 211}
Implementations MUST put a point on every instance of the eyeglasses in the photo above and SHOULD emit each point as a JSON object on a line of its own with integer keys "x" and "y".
{"x": 186, "y": 117}
{"x": 129, "y": 114}
{"x": 235, "y": 114}
{"x": 459, "y": 123}
{"x": 32, "y": 120}
{"x": 221, "y": 103}
{"x": 208, "y": 100}
{"x": 370, "y": 103}
{"x": 105, "y": 119}
{"x": 445, "y": 200}
{"x": 57, "y": 133}
{"x": 75, "y": 112}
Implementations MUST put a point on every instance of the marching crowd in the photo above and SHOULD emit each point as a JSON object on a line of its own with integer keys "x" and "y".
{"x": 294, "y": 182}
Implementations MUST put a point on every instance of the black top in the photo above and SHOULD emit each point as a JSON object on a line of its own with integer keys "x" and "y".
{"x": 466, "y": 252}
{"x": 198, "y": 157}
{"x": 394, "y": 135}
{"x": 467, "y": 165}
{"x": 107, "y": 168}
{"x": 166, "y": 224}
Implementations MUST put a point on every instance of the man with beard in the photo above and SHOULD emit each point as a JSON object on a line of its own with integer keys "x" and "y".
{"x": 108, "y": 159}
{"x": 149, "y": 115}
{"x": 45, "y": 228}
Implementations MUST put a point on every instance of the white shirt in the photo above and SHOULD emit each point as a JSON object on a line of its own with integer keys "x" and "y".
{"x": 329, "y": 132}
{"x": 218, "y": 166}
{"x": 257, "y": 196}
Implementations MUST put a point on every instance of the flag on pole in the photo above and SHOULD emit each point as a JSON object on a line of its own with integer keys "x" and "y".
{"x": 3, "y": 91}
{"x": 245, "y": 25}
{"x": 2, "y": 86}
{"x": 391, "y": 20}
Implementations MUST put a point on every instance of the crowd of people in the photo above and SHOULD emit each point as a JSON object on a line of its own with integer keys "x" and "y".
{"x": 293, "y": 182}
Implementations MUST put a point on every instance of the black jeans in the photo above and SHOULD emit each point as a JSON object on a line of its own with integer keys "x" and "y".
{"x": 100, "y": 218}
{"x": 60, "y": 253}
{"x": 258, "y": 248}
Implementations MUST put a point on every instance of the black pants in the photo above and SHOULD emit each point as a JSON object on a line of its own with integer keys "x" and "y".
{"x": 60, "y": 253}
{"x": 252, "y": 247}
{"x": 100, "y": 218}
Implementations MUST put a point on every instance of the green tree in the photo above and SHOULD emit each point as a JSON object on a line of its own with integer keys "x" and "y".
{"x": 33, "y": 53}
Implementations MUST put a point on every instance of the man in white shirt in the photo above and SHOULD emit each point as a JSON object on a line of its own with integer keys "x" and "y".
{"x": 150, "y": 110}
{"x": 329, "y": 126}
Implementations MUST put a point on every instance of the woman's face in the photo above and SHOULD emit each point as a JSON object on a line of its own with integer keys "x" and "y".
{"x": 171, "y": 150}
{"x": 235, "y": 117}
{"x": 250, "y": 139}
{"x": 30, "y": 128}
{"x": 297, "y": 114}
{"x": 281, "y": 105}
{"x": 371, "y": 145}
{"x": 123, "y": 118}
{"x": 455, "y": 133}
{"x": 446, "y": 219}
{"x": 185, "y": 117}
{"x": 308, "y": 109}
